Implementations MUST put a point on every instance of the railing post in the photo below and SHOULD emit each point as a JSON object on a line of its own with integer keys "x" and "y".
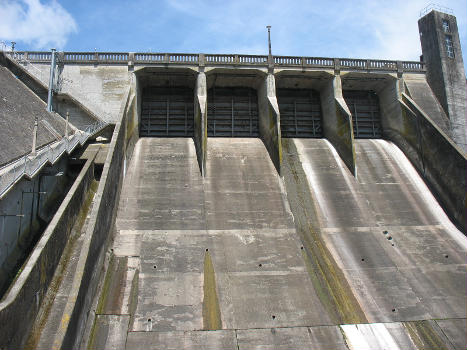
{"x": 131, "y": 60}
{"x": 66, "y": 125}
{"x": 201, "y": 60}
{"x": 337, "y": 66}
{"x": 166, "y": 58}
{"x": 367, "y": 64}
{"x": 270, "y": 63}
{"x": 400, "y": 69}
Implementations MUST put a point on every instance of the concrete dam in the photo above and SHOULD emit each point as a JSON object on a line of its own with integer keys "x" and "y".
{"x": 198, "y": 201}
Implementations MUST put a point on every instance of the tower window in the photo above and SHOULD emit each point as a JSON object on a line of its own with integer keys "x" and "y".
{"x": 449, "y": 46}
{"x": 446, "y": 27}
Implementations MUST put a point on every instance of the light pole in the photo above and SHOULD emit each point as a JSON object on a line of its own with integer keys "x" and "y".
{"x": 269, "y": 39}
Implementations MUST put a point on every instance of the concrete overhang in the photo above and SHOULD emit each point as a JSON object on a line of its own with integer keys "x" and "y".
{"x": 293, "y": 79}
{"x": 163, "y": 76}
{"x": 165, "y": 66}
{"x": 366, "y": 81}
{"x": 222, "y": 77}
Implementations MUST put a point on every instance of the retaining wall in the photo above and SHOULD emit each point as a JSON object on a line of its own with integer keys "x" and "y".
{"x": 97, "y": 235}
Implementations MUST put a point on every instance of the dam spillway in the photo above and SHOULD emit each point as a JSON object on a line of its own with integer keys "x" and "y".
{"x": 231, "y": 201}
{"x": 384, "y": 232}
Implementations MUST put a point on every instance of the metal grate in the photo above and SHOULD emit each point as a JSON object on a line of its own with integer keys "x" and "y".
{"x": 167, "y": 112}
{"x": 300, "y": 113}
{"x": 364, "y": 106}
{"x": 232, "y": 112}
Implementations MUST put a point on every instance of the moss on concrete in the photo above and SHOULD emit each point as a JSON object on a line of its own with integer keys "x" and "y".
{"x": 328, "y": 280}
{"x": 211, "y": 310}
{"x": 424, "y": 336}
{"x": 54, "y": 286}
{"x": 133, "y": 298}
{"x": 106, "y": 286}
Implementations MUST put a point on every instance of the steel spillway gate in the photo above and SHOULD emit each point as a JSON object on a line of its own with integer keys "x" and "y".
{"x": 300, "y": 112}
{"x": 232, "y": 112}
{"x": 364, "y": 106}
{"x": 167, "y": 112}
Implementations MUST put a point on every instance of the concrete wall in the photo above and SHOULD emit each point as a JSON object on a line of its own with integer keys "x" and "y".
{"x": 98, "y": 232}
{"x": 200, "y": 121}
{"x": 337, "y": 122}
{"x": 442, "y": 164}
{"x": 79, "y": 115}
{"x": 100, "y": 88}
{"x": 269, "y": 120}
{"x": 19, "y": 307}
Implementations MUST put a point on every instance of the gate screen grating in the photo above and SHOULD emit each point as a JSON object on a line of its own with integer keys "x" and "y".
{"x": 364, "y": 106}
{"x": 167, "y": 112}
{"x": 232, "y": 112}
{"x": 300, "y": 112}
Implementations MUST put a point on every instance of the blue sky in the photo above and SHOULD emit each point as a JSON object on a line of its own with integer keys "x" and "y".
{"x": 357, "y": 28}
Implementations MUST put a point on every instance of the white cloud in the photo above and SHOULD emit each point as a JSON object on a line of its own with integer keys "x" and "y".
{"x": 339, "y": 28}
{"x": 41, "y": 25}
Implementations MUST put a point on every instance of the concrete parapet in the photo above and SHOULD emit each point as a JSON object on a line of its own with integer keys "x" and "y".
{"x": 21, "y": 303}
{"x": 269, "y": 120}
{"x": 200, "y": 122}
{"x": 337, "y": 122}
{"x": 96, "y": 237}
{"x": 441, "y": 162}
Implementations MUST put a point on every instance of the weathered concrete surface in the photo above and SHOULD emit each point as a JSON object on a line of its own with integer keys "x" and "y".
{"x": 48, "y": 320}
{"x": 402, "y": 256}
{"x": 97, "y": 235}
{"x": 337, "y": 121}
{"x": 100, "y": 88}
{"x": 169, "y": 217}
{"x": 269, "y": 120}
{"x": 442, "y": 164}
{"x": 420, "y": 92}
{"x": 78, "y": 115}
{"x": 19, "y": 106}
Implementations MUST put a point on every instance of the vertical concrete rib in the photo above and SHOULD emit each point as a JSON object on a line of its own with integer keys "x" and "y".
{"x": 269, "y": 120}
{"x": 337, "y": 122}
{"x": 200, "y": 122}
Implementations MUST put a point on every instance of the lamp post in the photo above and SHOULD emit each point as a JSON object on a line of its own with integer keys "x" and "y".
{"x": 269, "y": 39}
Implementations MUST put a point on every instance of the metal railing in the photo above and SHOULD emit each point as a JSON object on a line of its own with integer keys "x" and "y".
{"x": 29, "y": 165}
{"x": 436, "y": 7}
{"x": 139, "y": 58}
